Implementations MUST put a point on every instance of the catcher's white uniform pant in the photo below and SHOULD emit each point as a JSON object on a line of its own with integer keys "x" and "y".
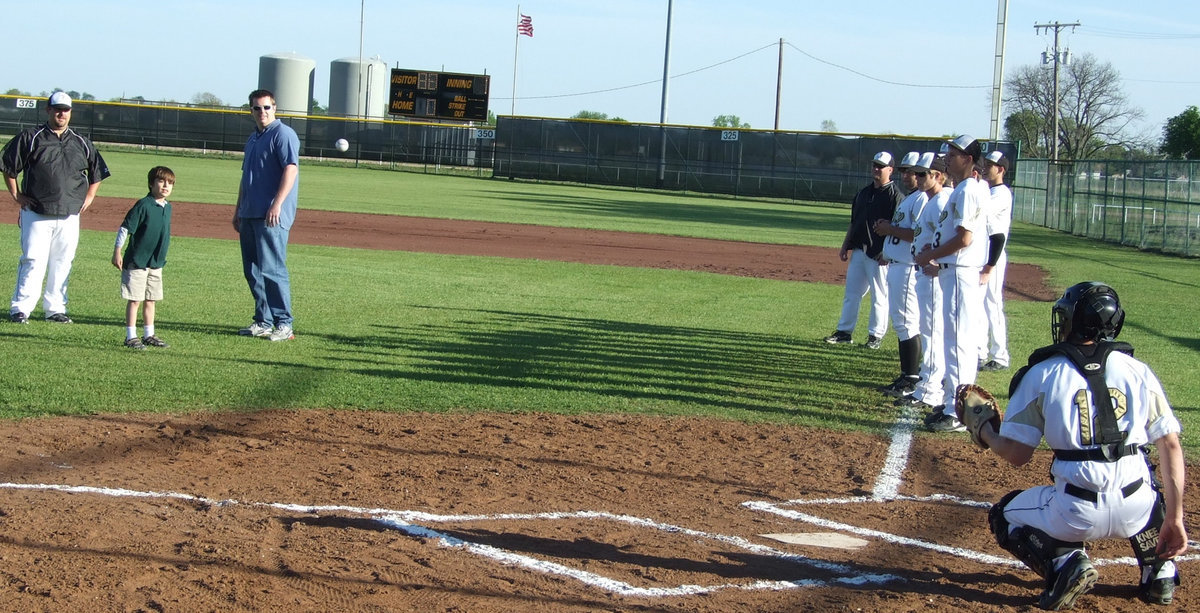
{"x": 933, "y": 366}
{"x": 864, "y": 274}
{"x": 962, "y": 313}
{"x": 48, "y": 245}
{"x": 1067, "y": 518}
{"x": 902, "y": 299}
{"x": 993, "y": 340}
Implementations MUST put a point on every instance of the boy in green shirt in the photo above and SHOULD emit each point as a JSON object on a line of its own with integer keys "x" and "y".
{"x": 148, "y": 227}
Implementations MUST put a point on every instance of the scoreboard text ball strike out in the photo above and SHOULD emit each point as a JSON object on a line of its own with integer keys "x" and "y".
{"x": 439, "y": 95}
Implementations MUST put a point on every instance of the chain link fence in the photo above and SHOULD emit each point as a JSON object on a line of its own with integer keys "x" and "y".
{"x": 1151, "y": 205}
{"x": 751, "y": 163}
{"x": 430, "y": 146}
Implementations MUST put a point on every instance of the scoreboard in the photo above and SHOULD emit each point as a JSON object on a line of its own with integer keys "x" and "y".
{"x": 439, "y": 95}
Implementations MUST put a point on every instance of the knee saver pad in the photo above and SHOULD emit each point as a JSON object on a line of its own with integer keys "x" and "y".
{"x": 996, "y": 520}
{"x": 1145, "y": 542}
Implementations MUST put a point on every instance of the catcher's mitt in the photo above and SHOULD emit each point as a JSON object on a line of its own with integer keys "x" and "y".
{"x": 975, "y": 407}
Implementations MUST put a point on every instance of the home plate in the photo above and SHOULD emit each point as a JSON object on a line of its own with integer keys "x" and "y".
{"x": 835, "y": 540}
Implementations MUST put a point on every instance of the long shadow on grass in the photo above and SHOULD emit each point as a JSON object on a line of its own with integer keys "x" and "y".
{"x": 640, "y": 362}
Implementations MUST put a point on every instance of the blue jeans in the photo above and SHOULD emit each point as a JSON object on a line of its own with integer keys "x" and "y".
{"x": 264, "y": 262}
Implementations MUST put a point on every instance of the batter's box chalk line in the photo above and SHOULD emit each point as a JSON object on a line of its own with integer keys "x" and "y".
{"x": 416, "y": 524}
{"x": 887, "y": 487}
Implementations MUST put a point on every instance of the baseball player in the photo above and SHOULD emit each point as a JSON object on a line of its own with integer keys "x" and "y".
{"x": 862, "y": 248}
{"x": 901, "y": 278}
{"x": 993, "y": 349}
{"x": 60, "y": 173}
{"x": 1097, "y": 408}
{"x": 930, "y": 171}
{"x": 960, "y": 251}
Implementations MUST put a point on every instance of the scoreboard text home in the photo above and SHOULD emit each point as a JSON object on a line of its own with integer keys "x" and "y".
{"x": 439, "y": 95}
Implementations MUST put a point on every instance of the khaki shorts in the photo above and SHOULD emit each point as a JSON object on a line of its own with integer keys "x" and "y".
{"x": 140, "y": 284}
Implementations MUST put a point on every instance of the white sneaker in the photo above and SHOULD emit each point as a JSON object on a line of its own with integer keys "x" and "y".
{"x": 282, "y": 333}
{"x": 255, "y": 329}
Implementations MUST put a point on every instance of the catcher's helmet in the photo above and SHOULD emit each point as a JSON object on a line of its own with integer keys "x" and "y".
{"x": 1088, "y": 311}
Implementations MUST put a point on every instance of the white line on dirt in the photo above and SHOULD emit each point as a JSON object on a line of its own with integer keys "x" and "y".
{"x": 402, "y": 520}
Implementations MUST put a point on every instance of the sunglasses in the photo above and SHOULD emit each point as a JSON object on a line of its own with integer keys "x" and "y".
{"x": 920, "y": 174}
{"x": 260, "y": 109}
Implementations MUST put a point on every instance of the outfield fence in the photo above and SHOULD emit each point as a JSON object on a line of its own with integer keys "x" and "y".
{"x": 1144, "y": 204}
{"x": 741, "y": 162}
{"x": 148, "y": 125}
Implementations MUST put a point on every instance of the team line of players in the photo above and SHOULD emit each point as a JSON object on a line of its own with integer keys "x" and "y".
{"x": 933, "y": 262}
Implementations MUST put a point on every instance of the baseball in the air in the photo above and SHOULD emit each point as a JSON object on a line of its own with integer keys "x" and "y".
{"x": 342, "y": 144}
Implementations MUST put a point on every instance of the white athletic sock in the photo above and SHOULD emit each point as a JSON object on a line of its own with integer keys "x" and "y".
{"x": 150, "y": 330}
{"x": 130, "y": 332}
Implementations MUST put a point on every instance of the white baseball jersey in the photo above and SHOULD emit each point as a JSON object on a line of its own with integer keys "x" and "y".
{"x": 895, "y": 248}
{"x": 993, "y": 339}
{"x": 926, "y": 221}
{"x": 999, "y": 210}
{"x": 966, "y": 209}
{"x": 1053, "y": 402}
{"x": 929, "y": 301}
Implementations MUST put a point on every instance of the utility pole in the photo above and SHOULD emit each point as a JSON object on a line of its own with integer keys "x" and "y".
{"x": 1058, "y": 56}
{"x": 778, "y": 83}
{"x": 998, "y": 68}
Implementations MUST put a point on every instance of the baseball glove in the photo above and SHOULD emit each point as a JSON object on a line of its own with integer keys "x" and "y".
{"x": 975, "y": 407}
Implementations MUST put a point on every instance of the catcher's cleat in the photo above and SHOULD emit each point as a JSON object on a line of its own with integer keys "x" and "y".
{"x": 874, "y": 342}
{"x": 992, "y": 366}
{"x": 1076, "y": 578}
{"x": 839, "y": 337}
{"x": 1159, "y": 591}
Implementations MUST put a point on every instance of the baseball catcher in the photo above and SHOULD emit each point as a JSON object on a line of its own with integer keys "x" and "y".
{"x": 1097, "y": 408}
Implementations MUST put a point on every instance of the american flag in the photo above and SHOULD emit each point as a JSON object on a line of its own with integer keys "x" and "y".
{"x": 525, "y": 26}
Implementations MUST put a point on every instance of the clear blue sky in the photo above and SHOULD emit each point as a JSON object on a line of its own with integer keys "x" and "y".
{"x": 608, "y": 56}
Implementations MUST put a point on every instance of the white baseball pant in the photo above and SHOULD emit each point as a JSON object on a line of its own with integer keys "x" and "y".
{"x": 48, "y": 245}
{"x": 864, "y": 274}
{"x": 962, "y": 313}
{"x": 933, "y": 366}
{"x": 994, "y": 338}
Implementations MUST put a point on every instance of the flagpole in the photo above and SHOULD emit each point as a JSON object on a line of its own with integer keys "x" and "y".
{"x": 516, "y": 44}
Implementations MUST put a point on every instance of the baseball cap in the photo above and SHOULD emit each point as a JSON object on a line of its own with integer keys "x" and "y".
{"x": 60, "y": 99}
{"x": 883, "y": 158}
{"x": 962, "y": 141}
{"x": 998, "y": 158}
{"x": 909, "y": 160}
{"x": 933, "y": 161}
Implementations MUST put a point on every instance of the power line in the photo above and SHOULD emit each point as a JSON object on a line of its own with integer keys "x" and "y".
{"x": 1110, "y": 33}
{"x": 682, "y": 74}
{"x": 752, "y": 52}
{"x": 877, "y": 79}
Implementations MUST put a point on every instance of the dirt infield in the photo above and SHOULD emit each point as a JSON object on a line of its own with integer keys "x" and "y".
{"x": 362, "y": 511}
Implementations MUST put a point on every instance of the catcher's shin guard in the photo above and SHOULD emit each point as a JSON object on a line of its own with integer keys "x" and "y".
{"x": 1031, "y": 546}
{"x": 1151, "y": 589}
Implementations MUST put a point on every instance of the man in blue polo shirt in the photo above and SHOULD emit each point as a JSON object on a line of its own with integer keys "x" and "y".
{"x": 266, "y": 208}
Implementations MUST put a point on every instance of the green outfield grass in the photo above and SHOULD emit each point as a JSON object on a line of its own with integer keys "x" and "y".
{"x": 418, "y": 332}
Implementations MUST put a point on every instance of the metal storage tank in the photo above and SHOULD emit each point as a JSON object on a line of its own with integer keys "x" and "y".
{"x": 290, "y": 77}
{"x": 358, "y": 88}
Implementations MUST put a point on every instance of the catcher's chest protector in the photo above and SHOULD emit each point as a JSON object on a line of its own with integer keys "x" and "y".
{"x": 1092, "y": 369}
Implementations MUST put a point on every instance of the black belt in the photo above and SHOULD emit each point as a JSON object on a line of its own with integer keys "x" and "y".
{"x": 1091, "y": 496}
{"x": 1103, "y": 453}
{"x": 944, "y": 266}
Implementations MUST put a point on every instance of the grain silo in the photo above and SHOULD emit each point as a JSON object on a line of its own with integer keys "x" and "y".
{"x": 358, "y": 88}
{"x": 290, "y": 77}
